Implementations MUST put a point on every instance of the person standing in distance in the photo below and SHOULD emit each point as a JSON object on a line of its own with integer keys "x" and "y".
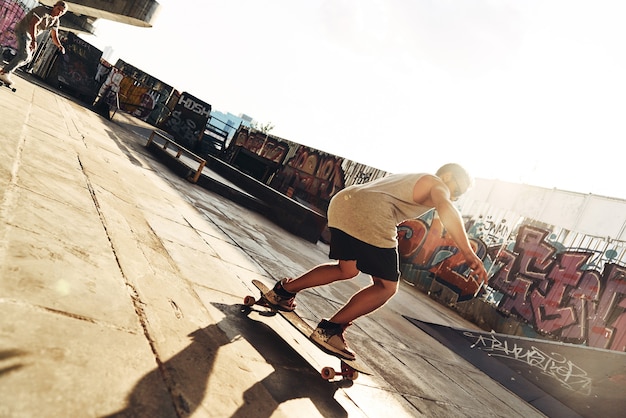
{"x": 39, "y": 19}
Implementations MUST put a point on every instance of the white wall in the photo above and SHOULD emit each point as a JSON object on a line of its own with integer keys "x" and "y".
{"x": 588, "y": 214}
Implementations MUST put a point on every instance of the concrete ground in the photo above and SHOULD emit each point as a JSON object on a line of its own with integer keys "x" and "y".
{"x": 121, "y": 287}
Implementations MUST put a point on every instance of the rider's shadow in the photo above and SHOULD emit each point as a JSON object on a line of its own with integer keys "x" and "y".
{"x": 187, "y": 373}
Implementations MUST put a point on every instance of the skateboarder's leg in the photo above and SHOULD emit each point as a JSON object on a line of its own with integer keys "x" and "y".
{"x": 284, "y": 292}
{"x": 330, "y": 334}
{"x": 24, "y": 55}
{"x": 366, "y": 301}
{"x": 323, "y": 274}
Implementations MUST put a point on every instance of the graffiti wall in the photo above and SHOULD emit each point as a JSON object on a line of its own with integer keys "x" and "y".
{"x": 256, "y": 153}
{"x": 428, "y": 254}
{"x": 311, "y": 176}
{"x": 314, "y": 177}
{"x": 302, "y": 173}
{"x": 187, "y": 121}
{"x": 11, "y": 12}
{"x": 122, "y": 91}
{"x": 153, "y": 100}
{"x": 78, "y": 67}
{"x": 564, "y": 293}
{"x": 567, "y": 286}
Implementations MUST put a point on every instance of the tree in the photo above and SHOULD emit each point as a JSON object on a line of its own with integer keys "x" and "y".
{"x": 263, "y": 127}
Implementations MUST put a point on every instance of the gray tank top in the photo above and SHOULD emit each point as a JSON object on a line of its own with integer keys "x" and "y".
{"x": 371, "y": 212}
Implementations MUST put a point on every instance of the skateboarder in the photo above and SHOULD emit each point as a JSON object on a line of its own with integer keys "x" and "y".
{"x": 26, "y": 30}
{"x": 363, "y": 223}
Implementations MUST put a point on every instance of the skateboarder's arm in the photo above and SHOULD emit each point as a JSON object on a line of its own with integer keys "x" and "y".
{"x": 451, "y": 219}
{"x": 54, "y": 34}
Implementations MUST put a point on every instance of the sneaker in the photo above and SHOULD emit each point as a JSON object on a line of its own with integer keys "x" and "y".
{"x": 6, "y": 78}
{"x": 330, "y": 336}
{"x": 281, "y": 298}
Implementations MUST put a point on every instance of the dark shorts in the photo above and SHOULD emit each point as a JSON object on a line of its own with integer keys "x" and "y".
{"x": 378, "y": 262}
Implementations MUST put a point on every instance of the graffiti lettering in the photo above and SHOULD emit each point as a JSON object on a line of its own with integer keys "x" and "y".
{"x": 489, "y": 231}
{"x": 273, "y": 151}
{"x": 554, "y": 365}
{"x": 185, "y": 130}
{"x": 538, "y": 280}
{"x": 607, "y": 325}
{"x": 549, "y": 316}
{"x": 556, "y": 294}
{"x": 194, "y": 106}
{"x": 429, "y": 248}
{"x": 312, "y": 176}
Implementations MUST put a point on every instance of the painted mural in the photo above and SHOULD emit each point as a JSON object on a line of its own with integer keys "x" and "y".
{"x": 560, "y": 292}
{"x": 78, "y": 67}
{"x": 123, "y": 92}
{"x": 428, "y": 253}
{"x": 188, "y": 120}
{"x": 312, "y": 176}
{"x": 11, "y": 12}
{"x": 570, "y": 293}
{"x": 264, "y": 146}
{"x": 150, "y": 94}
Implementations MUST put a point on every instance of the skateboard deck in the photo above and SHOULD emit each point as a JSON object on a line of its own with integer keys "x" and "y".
{"x": 350, "y": 369}
{"x": 13, "y": 89}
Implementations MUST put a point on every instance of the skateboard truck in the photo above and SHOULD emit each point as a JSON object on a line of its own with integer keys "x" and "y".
{"x": 251, "y": 301}
{"x": 347, "y": 372}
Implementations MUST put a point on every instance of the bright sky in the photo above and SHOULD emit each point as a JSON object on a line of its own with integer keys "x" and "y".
{"x": 526, "y": 91}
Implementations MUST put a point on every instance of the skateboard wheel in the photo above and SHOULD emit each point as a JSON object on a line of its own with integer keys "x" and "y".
{"x": 328, "y": 373}
{"x": 352, "y": 376}
{"x": 249, "y": 300}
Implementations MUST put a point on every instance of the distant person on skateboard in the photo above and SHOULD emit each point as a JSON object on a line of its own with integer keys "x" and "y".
{"x": 39, "y": 19}
{"x": 363, "y": 223}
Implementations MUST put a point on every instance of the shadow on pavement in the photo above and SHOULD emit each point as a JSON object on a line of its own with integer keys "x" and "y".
{"x": 293, "y": 377}
{"x": 187, "y": 373}
{"x": 9, "y": 355}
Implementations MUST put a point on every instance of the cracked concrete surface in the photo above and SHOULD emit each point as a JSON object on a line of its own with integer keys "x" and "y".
{"x": 121, "y": 289}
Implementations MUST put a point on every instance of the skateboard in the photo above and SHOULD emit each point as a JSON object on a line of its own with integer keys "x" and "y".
{"x": 349, "y": 369}
{"x": 13, "y": 89}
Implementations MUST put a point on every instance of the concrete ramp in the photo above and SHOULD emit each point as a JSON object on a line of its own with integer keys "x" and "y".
{"x": 556, "y": 378}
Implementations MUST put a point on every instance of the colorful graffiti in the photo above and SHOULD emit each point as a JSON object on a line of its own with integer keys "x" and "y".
{"x": 262, "y": 145}
{"x": 564, "y": 294}
{"x": 78, "y": 66}
{"x": 187, "y": 121}
{"x": 123, "y": 92}
{"x": 311, "y": 175}
{"x": 424, "y": 245}
{"x": 12, "y": 12}
{"x": 557, "y": 293}
{"x": 151, "y": 96}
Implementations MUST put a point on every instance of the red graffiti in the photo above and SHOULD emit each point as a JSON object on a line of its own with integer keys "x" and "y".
{"x": 550, "y": 316}
{"x": 558, "y": 296}
{"x": 411, "y": 237}
{"x": 552, "y": 289}
{"x": 429, "y": 248}
{"x": 607, "y": 324}
{"x": 582, "y": 300}
{"x": 311, "y": 176}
